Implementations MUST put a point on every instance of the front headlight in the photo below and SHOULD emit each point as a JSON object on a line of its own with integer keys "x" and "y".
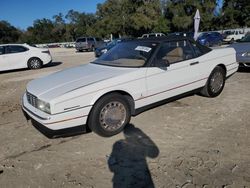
{"x": 246, "y": 54}
{"x": 43, "y": 106}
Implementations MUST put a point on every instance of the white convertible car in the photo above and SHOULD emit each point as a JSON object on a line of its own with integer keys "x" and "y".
{"x": 131, "y": 77}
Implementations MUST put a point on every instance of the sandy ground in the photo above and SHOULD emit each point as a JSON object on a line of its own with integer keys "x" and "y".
{"x": 192, "y": 142}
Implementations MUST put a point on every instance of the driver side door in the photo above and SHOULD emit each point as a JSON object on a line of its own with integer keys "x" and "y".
{"x": 175, "y": 70}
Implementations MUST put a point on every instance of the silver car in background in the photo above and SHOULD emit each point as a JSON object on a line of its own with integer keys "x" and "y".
{"x": 242, "y": 49}
{"x": 88, "y": 43}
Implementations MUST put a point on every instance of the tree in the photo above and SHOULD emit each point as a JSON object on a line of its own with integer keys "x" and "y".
{"x": 8, "y": 33}
{"x": 130, "y": 17}
{"x": 59, "y": 30}
{"x": 181, "y": 13}
{"x": 80, "y": 23}
{"x": 235, "y": 13}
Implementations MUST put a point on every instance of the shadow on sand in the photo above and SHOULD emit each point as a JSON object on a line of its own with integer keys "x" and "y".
{"x": 128, "y": 159}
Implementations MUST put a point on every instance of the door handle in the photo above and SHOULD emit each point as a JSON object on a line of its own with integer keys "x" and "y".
{"x": 194, "y": 63}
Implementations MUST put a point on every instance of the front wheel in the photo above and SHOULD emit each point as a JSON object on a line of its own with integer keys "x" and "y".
{"x": 215, "y": 83}
{"x": 109, "y": 115}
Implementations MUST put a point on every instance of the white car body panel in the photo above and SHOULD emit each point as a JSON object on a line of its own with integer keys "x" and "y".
{"x": 73, "y": 92}
{"x": 13, "y": 61}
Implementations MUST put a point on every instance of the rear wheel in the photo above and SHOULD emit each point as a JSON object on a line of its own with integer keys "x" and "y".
{"x": 34, "y": 63}
{"x": 109, "y": 115}
{"x": 215, "y": 83}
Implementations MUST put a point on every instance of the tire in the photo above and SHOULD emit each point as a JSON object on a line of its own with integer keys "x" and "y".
{"x": 92, "y": 49}
{"x": 231, "y": 41}
{"x": 35, "y": 63}
{"x": 215, "y": 83}
{"x": 109, "y": 115}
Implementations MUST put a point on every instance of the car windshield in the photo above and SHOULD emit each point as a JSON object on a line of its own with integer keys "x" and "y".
{"x": 113, "y": 43}
{"x": 81, "y": 40}
{"x": 229, "y": 32}
{"x": 203, "y": 35}
{"x": 128, "y": 54}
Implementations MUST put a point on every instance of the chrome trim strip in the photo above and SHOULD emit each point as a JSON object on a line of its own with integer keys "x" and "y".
{"x": 170, "y": 89}
{"x": 65, "y": 120}
{"x": 232, "y": 64}
{"x": 73, "y": 109}
{"x": 42, "y": 118}
{"x": 69, "y": 108}
{"x": 235, "y": 68}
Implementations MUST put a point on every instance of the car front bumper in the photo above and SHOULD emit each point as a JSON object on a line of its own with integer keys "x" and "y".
{"x": 56, "y": 122}
{"x": 227, "y": 39}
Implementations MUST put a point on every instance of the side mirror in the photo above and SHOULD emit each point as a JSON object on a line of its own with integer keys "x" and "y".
{"x": 164, "y": 63}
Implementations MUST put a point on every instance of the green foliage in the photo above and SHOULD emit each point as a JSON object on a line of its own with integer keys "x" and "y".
{"x": 131, "y": 18}
{"x": 8, "y": 33}
{"x": 235, "y": 13}
{"x": 182, "y": 13}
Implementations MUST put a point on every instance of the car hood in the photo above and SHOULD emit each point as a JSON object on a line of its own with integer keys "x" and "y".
{"x": 70, "y": 79}
{"x": 241, "y": 47}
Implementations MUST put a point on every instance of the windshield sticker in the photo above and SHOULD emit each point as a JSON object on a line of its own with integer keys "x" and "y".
{"x": 143, "y": 48}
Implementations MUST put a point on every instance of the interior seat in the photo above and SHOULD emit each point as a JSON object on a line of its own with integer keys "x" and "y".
{"x": 174, "y": 55}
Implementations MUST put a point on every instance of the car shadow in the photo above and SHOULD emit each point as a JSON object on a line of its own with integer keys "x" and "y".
{"x": 128, "y": 159}
{"x": 52, "y": 64}
{"x": 244, "y": 69}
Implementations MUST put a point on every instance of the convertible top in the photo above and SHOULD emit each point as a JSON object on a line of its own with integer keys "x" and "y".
{"x": 165, "y": 38}
{"x": 162, "y": 39}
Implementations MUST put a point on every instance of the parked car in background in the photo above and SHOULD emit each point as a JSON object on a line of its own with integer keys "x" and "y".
{"x": 131, "y": 77}
{"x": 210, "y": 38}
{"x": 152, "y": 35}
{"x": 104, "y": 48}
{"x": 88, "y": 43}
{"x": 242, "y": 48}
{"x": 230, "y": 36}
{"x": 246, "y": 38}
{"x": 17, "y": 56}
{"x": 185, "y": 34}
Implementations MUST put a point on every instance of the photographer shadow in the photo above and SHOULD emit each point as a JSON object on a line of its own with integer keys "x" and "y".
{"x": 128, "y": 159}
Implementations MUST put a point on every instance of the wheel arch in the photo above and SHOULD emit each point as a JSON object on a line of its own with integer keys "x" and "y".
{"x": 32, "y": 58}
{"x": 127, "y": 96}
{"x": 223, "y": 67}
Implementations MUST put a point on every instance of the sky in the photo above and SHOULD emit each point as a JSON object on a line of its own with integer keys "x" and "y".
{"x": 22, "y": 13}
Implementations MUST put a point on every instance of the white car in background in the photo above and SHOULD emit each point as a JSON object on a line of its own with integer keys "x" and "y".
{"x": 18, "y": 56}
{"x": 152, "y": 35}
{"x": 131, "y": 77}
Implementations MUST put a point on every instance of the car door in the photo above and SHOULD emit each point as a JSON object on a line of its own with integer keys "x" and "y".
{"x": 17, "y": 56}
{"x": 3, "y": 59}
{"x": 175, "y": 70}
{"x": 213, "y": 38}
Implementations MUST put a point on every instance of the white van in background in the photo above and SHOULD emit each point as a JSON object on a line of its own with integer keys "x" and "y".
{"x": 231, "y": 36}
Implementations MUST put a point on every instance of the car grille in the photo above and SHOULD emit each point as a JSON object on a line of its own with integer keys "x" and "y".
{"x": 32, "y": 99}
